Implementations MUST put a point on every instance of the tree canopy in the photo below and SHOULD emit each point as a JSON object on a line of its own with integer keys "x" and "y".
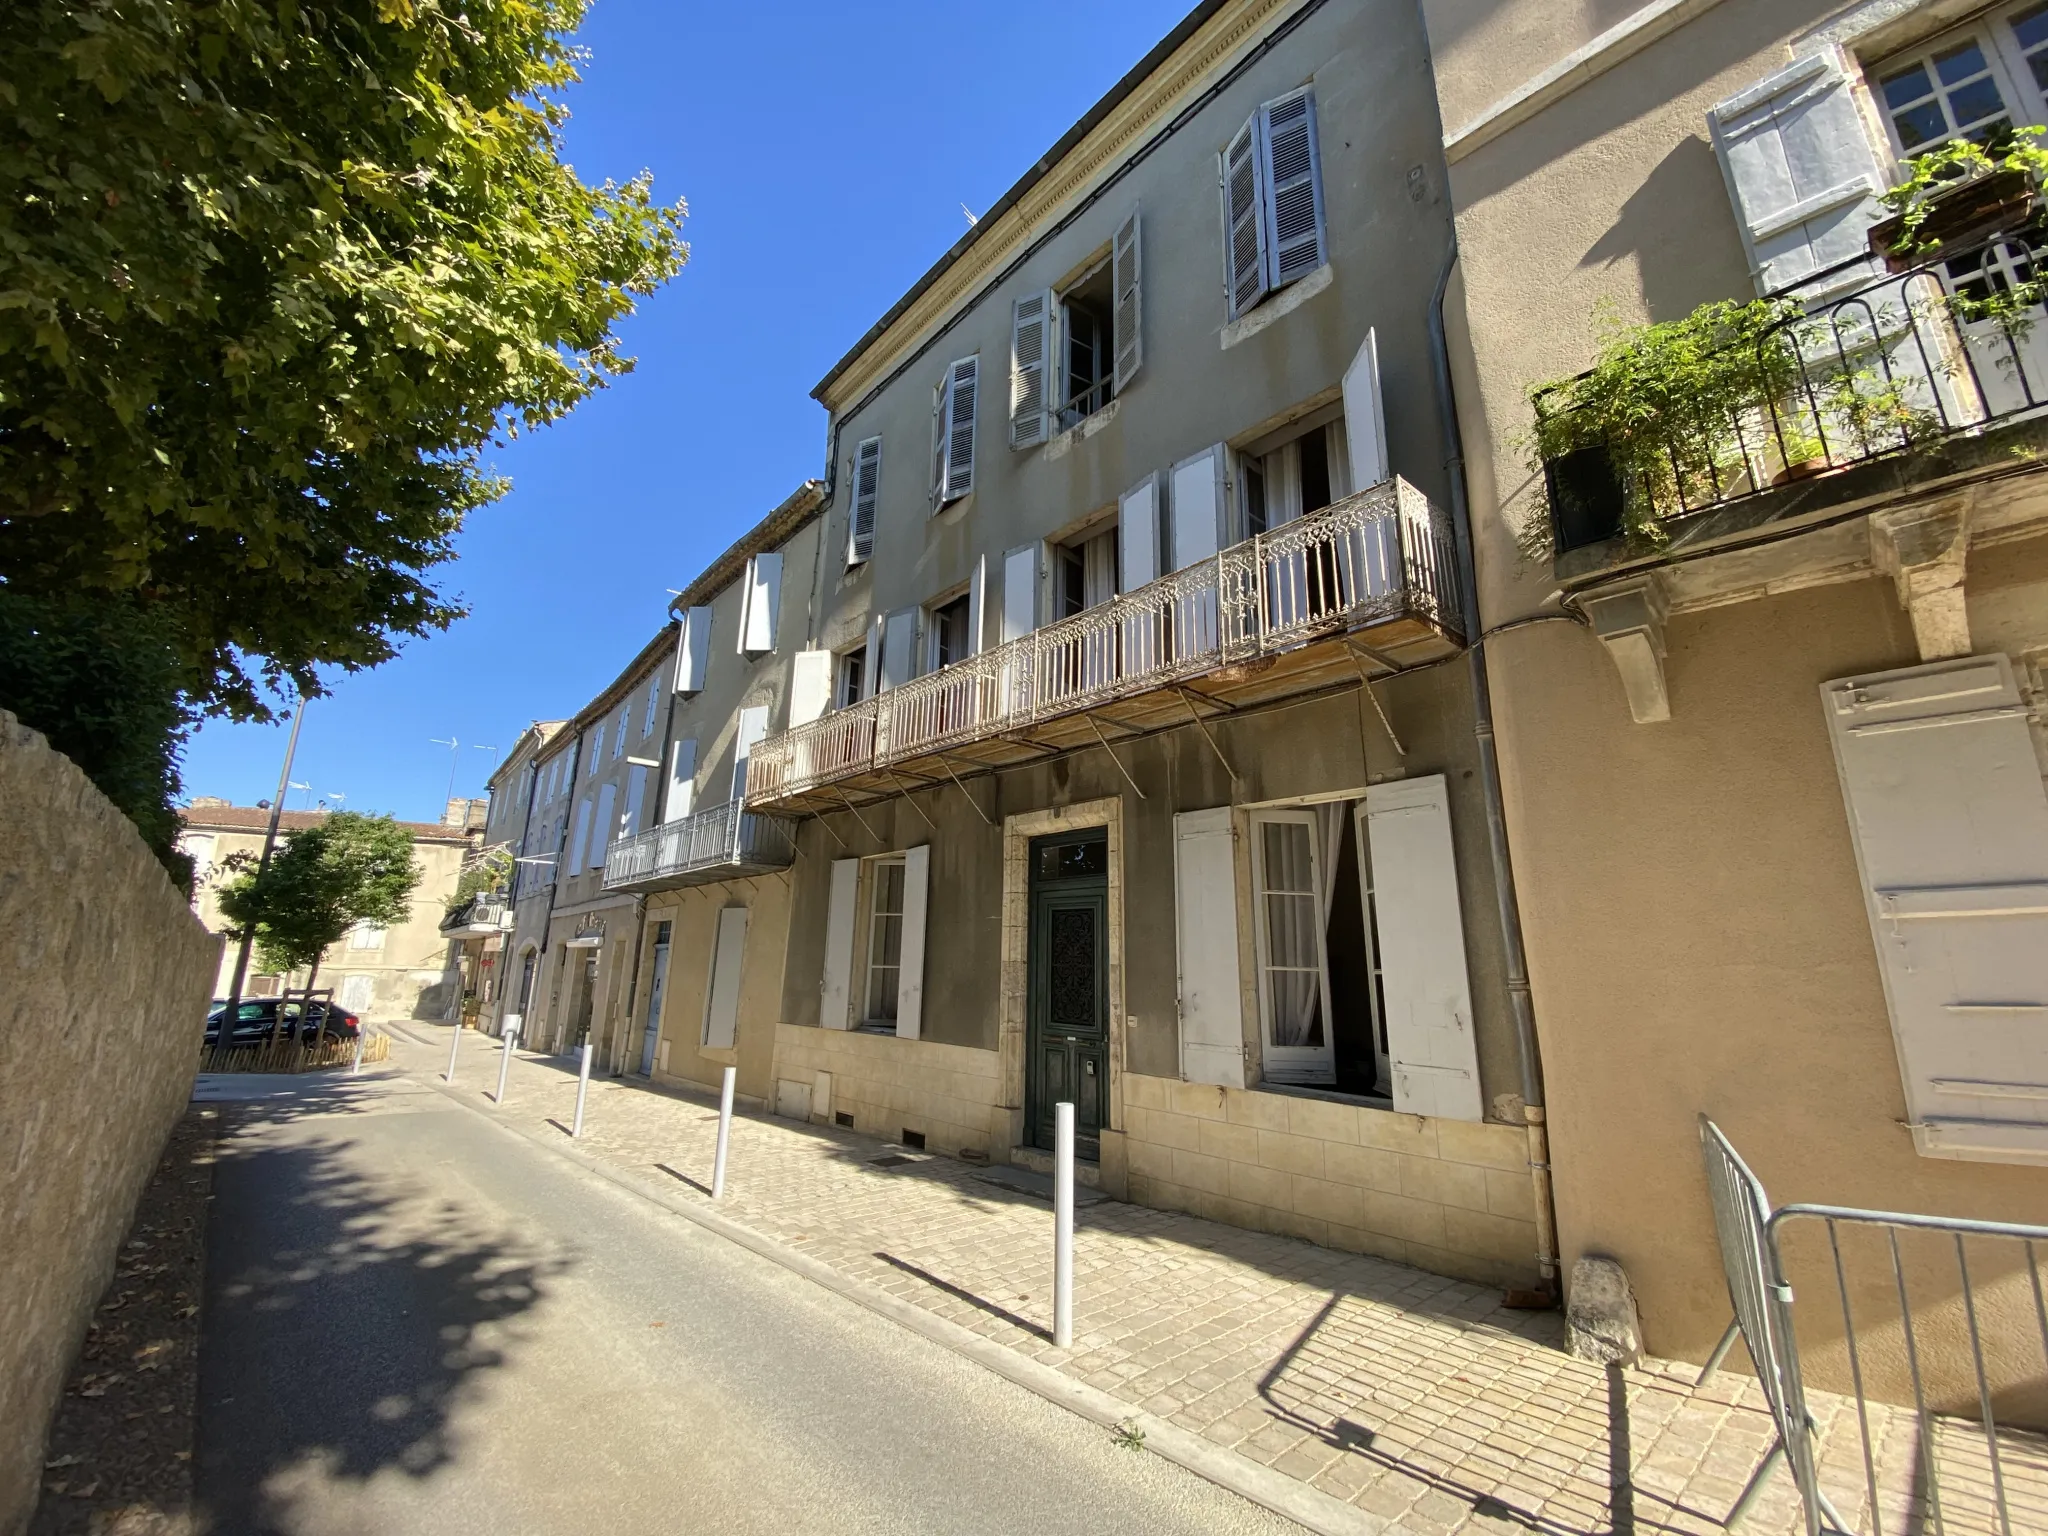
{"x": 321, "y": 881}
{"x": 273, "y": 275}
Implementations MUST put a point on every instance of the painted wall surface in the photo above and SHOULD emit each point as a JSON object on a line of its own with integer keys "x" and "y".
{"x": 693, "y": 938}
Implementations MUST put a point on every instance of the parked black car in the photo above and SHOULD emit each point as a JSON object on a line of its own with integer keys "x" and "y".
{"x": 257, "y": 1021}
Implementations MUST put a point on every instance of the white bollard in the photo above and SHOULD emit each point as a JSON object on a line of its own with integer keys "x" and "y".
{"x": 582, "y": 1088}
{"x": 505, "y": 1055}
{"x": 356, "y": 1067}
{"x": 453, "y": 1046}
{"x": 1063, "y": 1226}
{"x": 724, "y": 1134}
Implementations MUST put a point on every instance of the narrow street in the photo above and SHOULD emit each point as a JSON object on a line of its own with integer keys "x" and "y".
{"x": 417, "y": 1324}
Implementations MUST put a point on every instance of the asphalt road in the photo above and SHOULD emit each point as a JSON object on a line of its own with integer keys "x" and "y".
{"x": 417, "y": 1325}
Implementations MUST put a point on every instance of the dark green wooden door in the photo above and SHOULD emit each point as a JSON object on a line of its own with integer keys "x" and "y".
{"x": 1067, "y": 1041}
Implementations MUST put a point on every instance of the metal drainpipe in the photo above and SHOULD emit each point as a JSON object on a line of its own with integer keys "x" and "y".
{"x": 1520, "y": 1003}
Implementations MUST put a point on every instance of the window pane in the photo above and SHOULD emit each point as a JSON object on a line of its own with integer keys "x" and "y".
{"x": 1907, "y": 87}
{"x": 2031, "y": 26}
{"x": 1923, "y": 125}
{"x": 1291, "y": 923}
{"x": 1975, "y": 102}
{"x": 1959, "y": 63}
{"x": 1296, "y": 1002}
{"x": 1286, "y": 856}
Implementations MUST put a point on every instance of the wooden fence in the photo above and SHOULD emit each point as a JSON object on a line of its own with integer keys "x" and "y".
{"x": 289, "y": 1055}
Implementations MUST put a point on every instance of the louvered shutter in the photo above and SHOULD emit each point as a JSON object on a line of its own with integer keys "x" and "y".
{"x": 1802, "y": 171}
{"x": 1127, "y": 322}
{"x": 1211, "y": 1000}
{"x": 871, "y": 662}
{"x": 1950, "y": 822}
{"x": 636, "y": 799}
{"x": 1422, "y": 949}
{"x": 1138, "y": 534}
{"x": 682, "y": 780}
{"x": 722, "y": 994}
{"x": 835, "y": 987}
{"x": 910, "y": 974}
{"x": 960, "y": 395}
{"x": 1292, "y": 172}
{"x": 1031, "y": 371}
{"x": 1020, "y": 592}
{"x": 1244, "y": 225}
{"x": 576, "y": 849}
{"x": 977, "y": 605}
{"x": 753, "y": 725}
{"x": 899, "y": 649}
{"x": 603, "y": 828}
{"x": 760, "y": 604}
{"x": 693, "y": 651}
{"x": 1365, "y": 417}
{"x": 810, "y": 686}
{"x": 1196, "y": 507}
{"x": 867, "y": 490}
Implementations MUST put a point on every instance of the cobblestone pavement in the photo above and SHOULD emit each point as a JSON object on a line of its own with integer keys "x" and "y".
{"x": 1415, "y": 1398}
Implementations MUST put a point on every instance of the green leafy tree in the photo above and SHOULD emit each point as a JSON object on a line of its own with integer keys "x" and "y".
{"x": 273, "y": 276}
{"x": 321, "y": 881}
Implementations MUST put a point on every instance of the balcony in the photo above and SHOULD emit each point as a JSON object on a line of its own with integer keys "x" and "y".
{"x": 480, "y": 914}
{"x": 723, "y": 842}
{"x": 1366, "y": 584}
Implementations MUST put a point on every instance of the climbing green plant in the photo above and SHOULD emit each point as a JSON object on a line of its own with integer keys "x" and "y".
{"x": 1950, "y": 165}
{"x": 492, "y": 871}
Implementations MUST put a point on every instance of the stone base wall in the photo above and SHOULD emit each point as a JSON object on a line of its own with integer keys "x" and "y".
{"x": 104, "y": 979}
{"x": 1449, "y": 1196}
{"x": 951, "y": 1094}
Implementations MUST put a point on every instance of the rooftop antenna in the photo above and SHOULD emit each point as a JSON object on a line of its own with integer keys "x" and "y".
{"x": 454, "y": 760}
{"x": 295, "y": 784}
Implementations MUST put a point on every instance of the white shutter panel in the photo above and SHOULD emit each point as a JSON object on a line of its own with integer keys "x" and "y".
{"x": 899, "y": 649}
{"x": 1205, "y": 938}
{"x": 602, "y": 827}
{"x": 1365, "y": 417}
{"x": 810, "y": 686}
{"x": 942, "y": 395}
{"x": 1020, "y": 591}
{"x": 722, "y": 996}
{"x": 636, "y": 799}
{"x": 1127, "y": 282}
{"x": 1031, "y": 371}
{"x": 693, "y": 650}
{"x": 910, "y": 978}
{"x": 682, "y": 780}
{"x": 1801, "y": 170}
{"x": 1244, "y": 225}
{"x": 867, "y": 490}
{"x": 1137, "y": 541}
{"x": 871, "y": 661}
{"x": 753, "y": 725}
{"x": 582, "y": 842}
{"x": 1950, "y": 821}
{"x": 1293, "y": 188}
{"x": 760, "y": 604}
{"x": 977, "y": 605}
{"x": 1196, "y": 507}
{"x": 958, "y": 469}
{"x": 834, "y": 990}
{"x": 1422, "y": 949}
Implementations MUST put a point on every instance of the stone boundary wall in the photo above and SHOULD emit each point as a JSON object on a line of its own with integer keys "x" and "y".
{"x": 104, "y": 978}
{"x": 951, "y": 1093}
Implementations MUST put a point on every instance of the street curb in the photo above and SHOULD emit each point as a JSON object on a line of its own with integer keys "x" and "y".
{"x": 1283, "y": 1495}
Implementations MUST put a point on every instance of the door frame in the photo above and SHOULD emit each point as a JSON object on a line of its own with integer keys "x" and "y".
{"x": 1090, "y": 890}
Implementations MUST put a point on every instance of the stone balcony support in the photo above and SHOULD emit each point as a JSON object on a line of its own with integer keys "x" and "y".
{"x": 1925, "y": 551}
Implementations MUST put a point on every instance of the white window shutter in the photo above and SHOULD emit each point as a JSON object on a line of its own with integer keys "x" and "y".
{"x": 977, "y": 604}
{"x": 1244, "y": 223}
{"x": 753, "y": 725}
{"x": 1137, "y": 512}
{"x": 682, "y": 780}
{"x": 1205, "y": 937}
{"x": 867, "y": 492}
{"x": 899, "y": 649}
{"x": 1020, "y": 591}
{"x": 1127, "y": 328}
{"x": 1422, "y": 949}
{"x": 957, "y": 466}
{"x": 722, "y": 995}
{"x": 810, "y": 686}
{"x": 1031, "y": 368}
{"x": 910, "y": 978}
{"x": 636, "y": 799}
{"x": 1801, "y": 169}
{"x": 1293, "y": 188}
{"x": 1949, "y": 818}
{"x": 760, "y": 604}
{"x": 871, "y": 663}
{"x": 582, "y": 842}
{"x": 1196, "y": 506}
{"x": 603, "y": 828}
{"x": 693, "y": 651}
{"x": 941, "y": 414}
{"x": 1365, "y": 417}
{"x": 834, "y": 992}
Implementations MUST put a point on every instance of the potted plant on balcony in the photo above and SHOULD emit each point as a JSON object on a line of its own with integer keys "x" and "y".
{"x": 1960, "y": 193}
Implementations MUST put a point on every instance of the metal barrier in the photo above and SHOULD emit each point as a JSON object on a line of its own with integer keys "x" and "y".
{"x": 1959, "y": 1476}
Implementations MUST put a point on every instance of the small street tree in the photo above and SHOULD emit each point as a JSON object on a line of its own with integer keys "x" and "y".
{"x": 321, "y": 882}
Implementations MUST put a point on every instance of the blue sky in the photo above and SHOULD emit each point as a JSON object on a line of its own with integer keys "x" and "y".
{"x": 825, "y": 151}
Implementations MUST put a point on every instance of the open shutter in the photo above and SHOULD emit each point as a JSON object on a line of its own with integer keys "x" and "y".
{"x": 753, "y": 725}
{"x": 582, "y": 842}
{"x": 1244, "y": 226}
{"x": 693, "y": 650}
{"x": 867, "y": 490}
{"x": 1127, "y": 322}
{"x": 1020, "y": 591}
{"x": 899, "y": 649}
{"x": 960, "y": 395}
{"x": 1205, "y": 941}
{"x": 977, "y": 605}
{"x": 1801, "y": 170}
{"x": 1422, "y": 949}
{"x": 1031, "y": 372}
{"x": 722, "y": 995}
{"x": 1293, "y": 188}
{"x": 682, "y": 780}
{"x": 834, "y": 992}
{"x": 871, "y": 659}
{"x": 602, "y": 827}
{"x": 1365, "y": 417}
{"x": 1196, "y": 507}
{"x": 1950, "y": 822}
{"x": 910, "y": 978}
{"x": 636, "y": 800}
{"x": 760, "y": 602}
{"x": 810, "y": 686}
{"x": 1137, "y": 540}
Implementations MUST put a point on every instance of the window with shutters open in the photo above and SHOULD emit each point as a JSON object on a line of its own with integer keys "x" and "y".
{"x": 867, "y": 488}
{"x": 1075, "y": 350}
{"x": 1272, "y": 185}
{"x": 953, "y": 431}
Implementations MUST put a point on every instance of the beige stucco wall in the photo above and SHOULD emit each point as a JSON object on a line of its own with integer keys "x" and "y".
{"x": 949, "y": 1094}
{"x": 682, "y": 1055}
{"x": 103, "y": 987}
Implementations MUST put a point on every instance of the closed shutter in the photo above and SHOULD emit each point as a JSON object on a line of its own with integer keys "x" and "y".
{"x": 910, "y": 978}
{"x": 582, "y": 842}
{"x": 810, "y": 686}
{"x": 1244, "y": 226}
{"x": 1205, "y": 942}
{"x": 867, "y": 491}
{"x": 682, "y": 780}
{"x": 1127, "y": 322}
{"x": 1422, "y": 949}
{"x": 636, "y": 800}
{"x": 1197, "y": 507}
{"x": 722, "y": 996}
{"x": 1292, "y": 171}
{"x": 1031, "y": 372}
{"x": 753, "y": 725}
{"x": 1137, "y": 541}
{"x": 602, "y": 827}
{"x": 977, "y": 604}
{"x": 1020, "y": 591}
{"x": 693, "y": 650}
{"x": 760, "y": 602}
{"x": 899, "y": 649}
{"x": 834, "y": 992}
{"x": 1365, "y": 417}
{"x": 1950, "y": 822}
{"x": 1801, "y": 171}
{"x": 960, "y": 428}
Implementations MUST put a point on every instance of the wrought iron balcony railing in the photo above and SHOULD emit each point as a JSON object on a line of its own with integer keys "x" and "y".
{"x": 718, "y": 843}
{"x": 1382, "y": 556}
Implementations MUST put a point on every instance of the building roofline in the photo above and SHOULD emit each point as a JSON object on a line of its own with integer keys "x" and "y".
{"x": 796, "y": 509}
{"x": 205, "y": 818}
{"x": 541, "y": 732}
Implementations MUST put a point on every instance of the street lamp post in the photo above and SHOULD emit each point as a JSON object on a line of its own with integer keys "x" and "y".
{"x": 284, "y": 779}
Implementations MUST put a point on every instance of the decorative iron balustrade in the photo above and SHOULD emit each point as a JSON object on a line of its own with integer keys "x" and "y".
{"x": 711, "y": 844}
{"x": 1379, "y": 554}
{"x": 1947, "y": 347}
